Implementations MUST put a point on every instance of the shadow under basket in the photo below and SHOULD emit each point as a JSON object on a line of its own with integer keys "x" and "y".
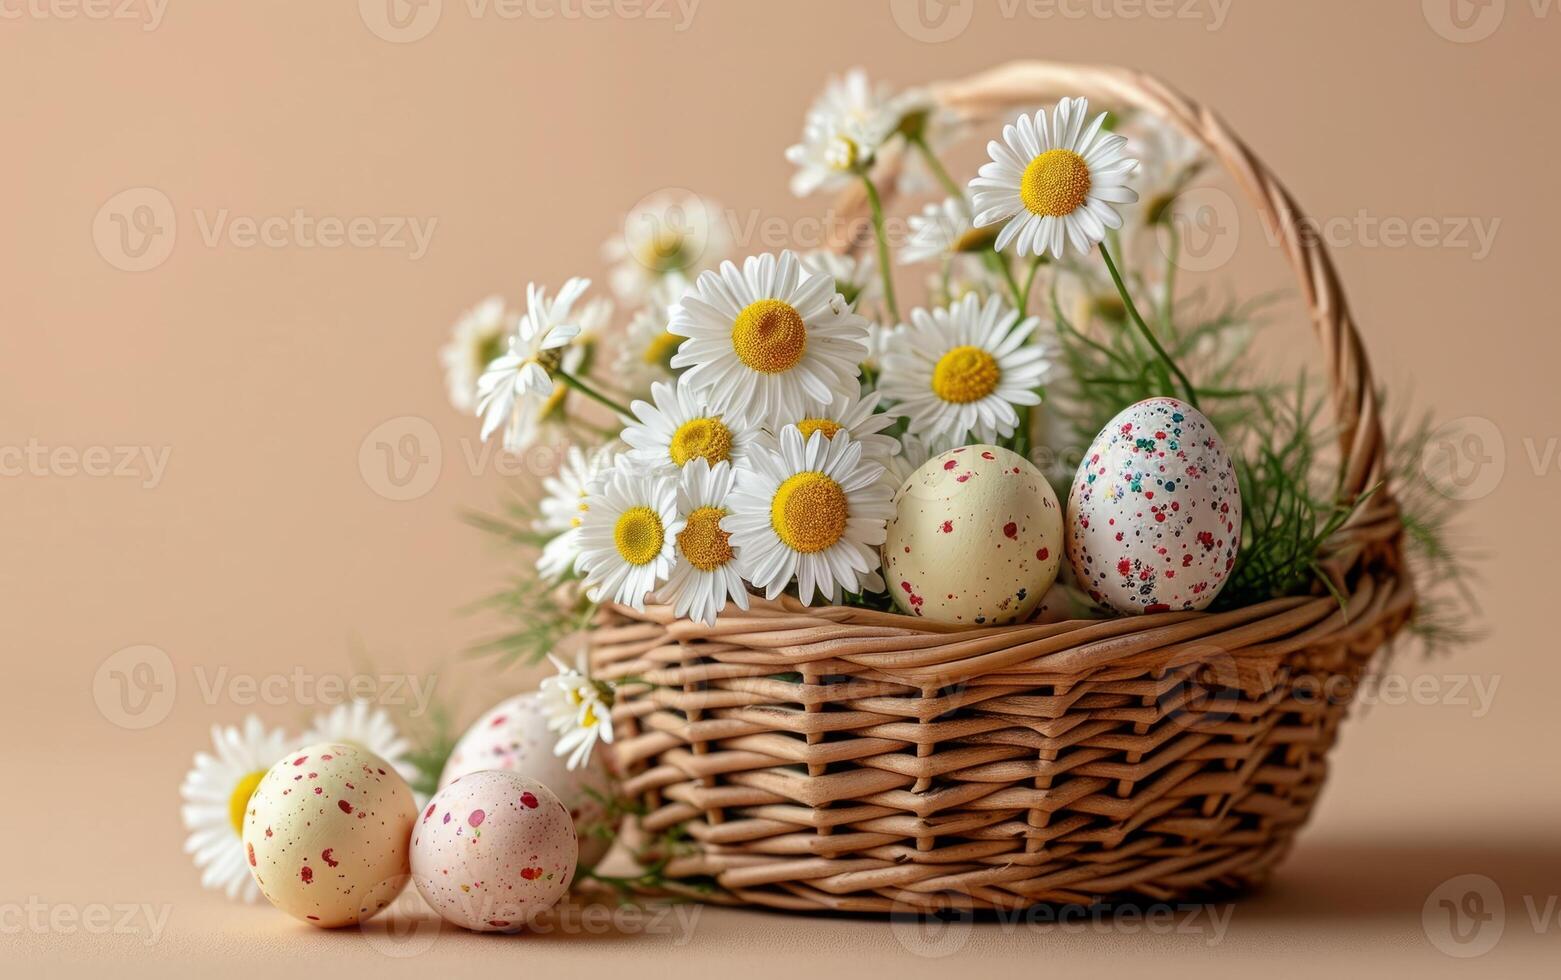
{"x": 836, "y": 758}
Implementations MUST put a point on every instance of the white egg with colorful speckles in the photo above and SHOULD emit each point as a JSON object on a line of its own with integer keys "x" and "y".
{"x": 1154, "y": 513}
{"x": 493, "y": 850}
{"x": 976, "y": 538}
{"x": 325, "y": 834}
{"x": 513, "y": 736}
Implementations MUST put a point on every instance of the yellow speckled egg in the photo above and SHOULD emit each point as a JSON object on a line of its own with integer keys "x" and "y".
{"x": 326, "y": 834}
{"x": 976, "y": 538}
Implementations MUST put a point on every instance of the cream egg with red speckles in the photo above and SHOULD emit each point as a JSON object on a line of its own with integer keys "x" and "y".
{"x": 1154, "y": 512}
{"x": 325, "y": 834}
{"x": 976, "y": 538}
{"x": 513, "y": 736}
{"x": 493, "y": 850}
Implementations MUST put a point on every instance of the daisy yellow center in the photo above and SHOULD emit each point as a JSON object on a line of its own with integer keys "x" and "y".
{"x": 706, "y": 438}
{"x": 827, "y": 426}
{"x": 660, "y": 350}
{"x": 976, "y": 239}
{"x": 665, "y": 250}
{"x": 769, "y": 336}
{"x": 1055, "y": 183}
{"x": 639, "y": 535}
{"x": 843, "y": 153}
{"x": 809, "y": 512}
{"x": 965, "y": 374}
{"x": 239, "y": 801}
{"x": 702, "y": 541}
{"x": 584, "y": 508}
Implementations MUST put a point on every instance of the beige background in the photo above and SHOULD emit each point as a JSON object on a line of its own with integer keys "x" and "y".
{"x": 265, "y": 548}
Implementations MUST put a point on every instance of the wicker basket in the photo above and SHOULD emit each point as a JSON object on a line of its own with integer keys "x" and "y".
{"x": 838, "y": 758}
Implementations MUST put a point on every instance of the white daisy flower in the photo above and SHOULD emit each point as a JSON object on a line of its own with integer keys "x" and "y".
{"x": 361, "y": 724}
{"x": 579, "y": 710}
{"x": 856, "y": 276}
{"x": 841, "y": 134}
{"x": 216, "y": 795}
{"x": 813, "y": 511}
{"x": 669, "y": 232}
{"x": 518, "y": 390}
{"x": 963, "y": 368}
{"x": 563, "y": 508}
{"x": 854, "y": 98}
{"x": 478, "y": 337}
{"x": 943, "y": 230}
{"x": 706, "y": 573}
{"x": 833, "y": 153}
{"x": 851, "y": 414}
{"x": 628, "y": 536}
{"x": 677, "y": 428}
{"x": 766, "y": 338}
{"x": 646, "y": 354}
{"x": 1054, "y": 183}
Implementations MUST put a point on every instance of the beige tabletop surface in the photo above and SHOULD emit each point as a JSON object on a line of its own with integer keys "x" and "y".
{"x": 238, "y": 382}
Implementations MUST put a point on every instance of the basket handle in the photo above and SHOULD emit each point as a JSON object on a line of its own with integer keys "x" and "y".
{"x": 1019, "y": 84}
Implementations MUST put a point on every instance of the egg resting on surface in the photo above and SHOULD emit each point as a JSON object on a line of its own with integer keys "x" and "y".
{"x": 493, "y": 850}
{"x": 1154, "y": 512}
{"x": 325, "y": 834}
{"x": 513, "y": 736}
{"x": 976, "y": 538}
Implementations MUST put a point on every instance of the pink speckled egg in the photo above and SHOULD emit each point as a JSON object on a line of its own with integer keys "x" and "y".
{"x": 326, "y": 832}
{"x": 976, "y": 538}
{"x": 513, "y": 737}
{"x": 1154, "y": 513}
{"x": 493, "y": 850}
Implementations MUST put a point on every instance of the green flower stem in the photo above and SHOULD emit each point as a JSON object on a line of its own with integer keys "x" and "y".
{"x": 884, "y": 269}
{"x": 1132, "y": 312}
{"x": 939, "y": 171}
{"x": 1029, "y": 283}
{"x": 999, "y": 264}
{"x": 1173, "y": 253}
{"x": 592, "y": 393}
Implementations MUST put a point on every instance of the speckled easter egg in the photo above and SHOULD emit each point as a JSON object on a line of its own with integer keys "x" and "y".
{"x": 976, "y": 537}
{"x": 1154, "y": 513}
{"x": 325, "y": 834}
{"x": 493, "y": 850}
{"x": 513, "y": 737}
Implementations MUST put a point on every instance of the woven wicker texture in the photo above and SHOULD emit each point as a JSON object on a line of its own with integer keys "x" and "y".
{"x": 835, "y": 758}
